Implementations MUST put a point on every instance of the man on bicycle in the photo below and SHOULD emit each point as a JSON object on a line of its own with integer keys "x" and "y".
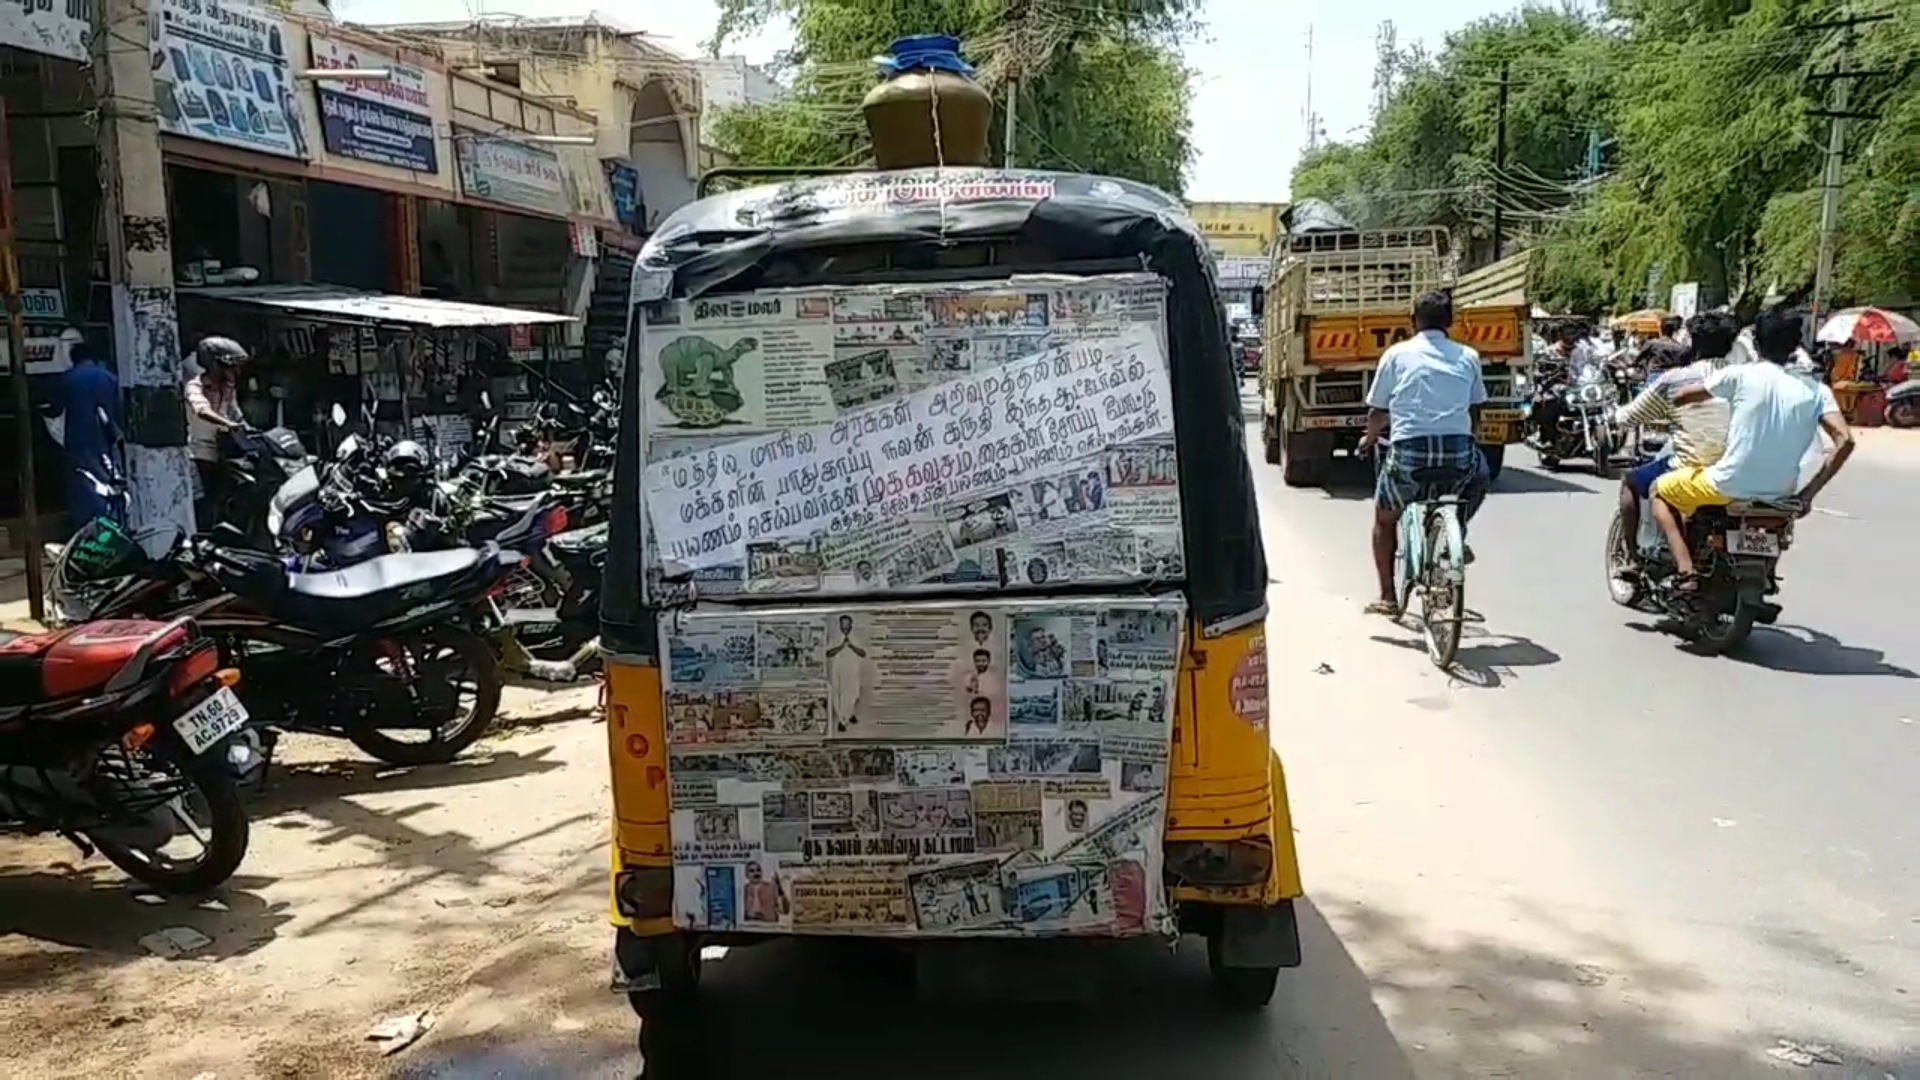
{"x": 1426, "y": 397}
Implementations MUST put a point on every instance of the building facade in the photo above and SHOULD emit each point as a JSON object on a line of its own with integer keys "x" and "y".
{"x": 474, "y": 165}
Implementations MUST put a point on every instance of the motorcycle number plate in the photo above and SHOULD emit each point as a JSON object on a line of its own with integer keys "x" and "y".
{"x": 1753, "y": 542}
{"x": 212, "y": 720}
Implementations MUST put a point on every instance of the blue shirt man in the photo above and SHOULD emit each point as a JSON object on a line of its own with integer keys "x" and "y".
{"x": 1426, "y": 392}
{"x": 88, "y": 393}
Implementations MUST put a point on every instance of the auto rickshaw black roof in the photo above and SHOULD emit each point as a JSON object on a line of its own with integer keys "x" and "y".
{"x": 929, "y": 225}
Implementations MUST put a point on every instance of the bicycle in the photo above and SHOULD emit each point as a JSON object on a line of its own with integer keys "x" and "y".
{"x": 1432, "y": 557}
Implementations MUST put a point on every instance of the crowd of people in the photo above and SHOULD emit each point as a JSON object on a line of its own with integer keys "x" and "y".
{"x": 1746, "y": 407}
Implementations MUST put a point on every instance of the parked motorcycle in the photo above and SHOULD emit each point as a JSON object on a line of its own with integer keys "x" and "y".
{"x": 1584, "y": 426}
{"x": 122, "y": 736}
{"x": 383, "y": 646}
{"x": 255, "y": 465}
{"x": 1736, "y": 550}
{"x": 1903, "y": 405}
{"x": 560, "y": 643}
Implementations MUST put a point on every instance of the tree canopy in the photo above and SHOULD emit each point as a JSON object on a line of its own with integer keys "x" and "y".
{"x": 1102, "y": 87}
{"x": 1670, "y": 140}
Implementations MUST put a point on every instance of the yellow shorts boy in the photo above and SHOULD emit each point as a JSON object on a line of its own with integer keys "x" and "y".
{"x": 1688, "y": 490}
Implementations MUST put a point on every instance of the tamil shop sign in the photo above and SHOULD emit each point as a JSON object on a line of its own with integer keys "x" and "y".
{"x": 220, "y": 73}
{"x": 386, "y": 122}
{"x": 61, "y": 28}
{"x": 500, "y": 169}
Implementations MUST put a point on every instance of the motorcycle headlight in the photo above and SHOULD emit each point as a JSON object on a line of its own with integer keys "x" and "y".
{"x": 1591, "y": 394}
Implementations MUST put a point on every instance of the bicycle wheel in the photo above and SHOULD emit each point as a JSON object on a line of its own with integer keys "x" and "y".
{"x": 1443, "y": 586}
{"x": 1406, "y": 565}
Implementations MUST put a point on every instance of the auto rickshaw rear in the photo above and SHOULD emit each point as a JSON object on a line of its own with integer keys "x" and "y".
{"x": 935, "y": 595}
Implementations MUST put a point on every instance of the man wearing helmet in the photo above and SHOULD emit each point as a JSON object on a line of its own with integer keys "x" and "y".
{"x": 212, "y": 407}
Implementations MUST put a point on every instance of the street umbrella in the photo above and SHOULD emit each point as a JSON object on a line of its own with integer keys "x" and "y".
{"x": 1644, "y": 321}
{"x": 1869, "y": 325}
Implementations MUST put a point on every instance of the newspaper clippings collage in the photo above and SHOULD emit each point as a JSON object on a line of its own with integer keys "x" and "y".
{"x": 994, "y": 767}
{"x": 857, "y": 441}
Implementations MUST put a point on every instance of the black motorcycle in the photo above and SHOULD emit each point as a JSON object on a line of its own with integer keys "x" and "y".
{"x": 559, "y": 643}
{"x": 1736, "y": 551}
{"x": 122, "y": 737}
{"x": 1573, "y": 420}
{"x": 387, "y": 645}
{"x": 254, "y": 466}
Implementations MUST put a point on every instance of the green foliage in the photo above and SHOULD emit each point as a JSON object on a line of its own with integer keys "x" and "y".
{"x": 1712, "y": 168}
{"x": 1102, "y": 85}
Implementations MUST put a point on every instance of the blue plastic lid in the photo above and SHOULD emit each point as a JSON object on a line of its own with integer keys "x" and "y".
{"x": 924, "y": 52}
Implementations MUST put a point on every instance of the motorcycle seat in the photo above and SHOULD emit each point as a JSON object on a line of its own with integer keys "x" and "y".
{"x": 37, "y": 668}
{"x": 580, "y": 541}
{"x": 1763, "y": 507}
{"x": 512, "y": 505}
{"x": 383, "y": 574}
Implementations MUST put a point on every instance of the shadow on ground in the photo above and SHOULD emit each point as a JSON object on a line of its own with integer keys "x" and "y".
{"x": 1463, "y": 1007}
{"x": 1799, "y": 650}
{"x": 302, "y": 785}
{"x": 1485, "y": 660}
{"x": 75, "y": 919}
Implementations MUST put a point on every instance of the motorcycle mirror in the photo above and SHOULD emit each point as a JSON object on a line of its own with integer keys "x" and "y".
{"x": 339, "y": 415}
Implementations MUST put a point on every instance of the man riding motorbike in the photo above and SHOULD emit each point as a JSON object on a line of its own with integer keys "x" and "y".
{"x": 1560, "y": 366}
{"x": 1429, "y": 389}
{"x": 1699, "y": 429}
{"x": 1773, "y": 416}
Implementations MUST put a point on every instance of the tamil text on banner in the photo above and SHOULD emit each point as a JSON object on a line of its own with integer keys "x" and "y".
{"x": 502, "y": 169}
{"x": 899, "y": 439}
{"x": 221, "y": 73}
{"x": 385, "y": 121}
{"x": 62, "y": 28}
{"x": 984, "y": 767}
{"x": 1241, "y": 271}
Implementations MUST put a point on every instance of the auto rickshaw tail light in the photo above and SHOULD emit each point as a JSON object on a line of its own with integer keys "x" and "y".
{"x": 644, "y": 892}
{"x": 1219, "y": 863}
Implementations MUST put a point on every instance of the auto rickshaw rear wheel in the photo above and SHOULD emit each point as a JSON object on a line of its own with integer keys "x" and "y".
{"x": 676, "y": 960}
{"x": 1239, "y": 989}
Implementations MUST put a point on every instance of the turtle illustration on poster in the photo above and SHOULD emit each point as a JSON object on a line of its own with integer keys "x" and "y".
{"x": 698, "y": 387}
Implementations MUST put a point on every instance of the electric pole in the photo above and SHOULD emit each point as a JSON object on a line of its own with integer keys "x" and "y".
{"x": 1313, "y": 122}
{"x": 1832, "y": 175}
{"x": 1013, "y": 102}
{"x": 146, "y": 326}
{"x": 1018, "y": 10}
{"x": 1500, "y": 164}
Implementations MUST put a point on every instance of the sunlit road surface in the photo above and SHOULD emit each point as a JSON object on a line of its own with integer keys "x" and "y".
{"x": 1586, "y": 853}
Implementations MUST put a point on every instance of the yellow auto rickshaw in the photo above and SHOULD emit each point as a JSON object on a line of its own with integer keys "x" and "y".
{"x": 936, "y": 596}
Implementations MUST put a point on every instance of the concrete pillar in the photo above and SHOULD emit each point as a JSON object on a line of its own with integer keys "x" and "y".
{"x": 146, "y": 324}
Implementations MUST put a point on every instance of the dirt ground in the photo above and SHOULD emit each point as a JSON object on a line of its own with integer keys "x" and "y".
{"x": 369, "y": 892}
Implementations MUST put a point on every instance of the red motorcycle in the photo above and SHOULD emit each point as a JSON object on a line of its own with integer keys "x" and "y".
{"x": 124, "y": 737}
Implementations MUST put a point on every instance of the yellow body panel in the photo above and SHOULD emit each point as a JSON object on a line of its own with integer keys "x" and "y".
{"x": 1225, "y": 782}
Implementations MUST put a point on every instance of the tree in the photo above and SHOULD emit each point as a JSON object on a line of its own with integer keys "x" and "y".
{"x": 1102, "y": 86}
{"x": 1713, "y": 171}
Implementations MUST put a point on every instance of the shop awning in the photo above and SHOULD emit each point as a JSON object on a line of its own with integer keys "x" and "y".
{"x": 351, "y": 305}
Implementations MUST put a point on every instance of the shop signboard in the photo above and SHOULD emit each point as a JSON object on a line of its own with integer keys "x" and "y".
{"x": 386, "y": 122}
{"x": 1240, "y": 271}
{"x": 62, "y": 28}
{"x": 623, "y": 180}
{"x": 221, "y": 74}
{"x": 501, "y": 169}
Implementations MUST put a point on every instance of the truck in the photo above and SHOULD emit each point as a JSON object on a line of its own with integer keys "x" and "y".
{"x": 1336, "y": 299}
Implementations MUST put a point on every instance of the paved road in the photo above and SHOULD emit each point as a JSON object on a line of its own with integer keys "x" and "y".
{"x": 1586, "y": 854}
